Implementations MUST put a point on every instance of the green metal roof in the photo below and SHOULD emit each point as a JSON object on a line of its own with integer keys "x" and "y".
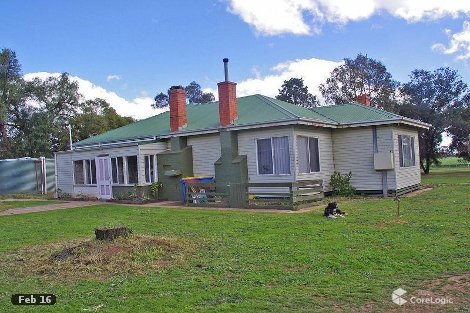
{"x": 252, "y": 110}
{"x": 353, "y": 113}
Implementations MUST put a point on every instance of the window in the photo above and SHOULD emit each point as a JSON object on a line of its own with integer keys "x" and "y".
{"x": 78, "y": 172}
{"x": 273, "y": 156}
{"x": 406, "y": 150}
{"x": 309, "y": 154}
{"x": 149, "y": 168}
{"x": 90, "y": 172}
{"x": 132, "y": 169}
{"x": 117, "y": 169}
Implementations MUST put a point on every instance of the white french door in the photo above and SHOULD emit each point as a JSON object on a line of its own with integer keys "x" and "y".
{"x": 103, "y": 175}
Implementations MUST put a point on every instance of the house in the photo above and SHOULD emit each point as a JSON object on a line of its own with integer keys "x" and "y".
{"x": 253, "y": 139}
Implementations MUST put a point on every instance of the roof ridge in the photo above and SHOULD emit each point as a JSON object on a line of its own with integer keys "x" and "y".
{"x": 277, "y": 106}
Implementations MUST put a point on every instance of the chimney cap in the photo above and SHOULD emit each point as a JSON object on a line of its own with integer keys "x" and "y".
{"x": 176, "y": 87}
{"x": 225, "y": 60}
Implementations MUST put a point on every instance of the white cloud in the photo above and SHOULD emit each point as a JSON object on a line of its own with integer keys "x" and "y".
{"x": 313, "y": 71}
{"x": 459, "y": 43}
{"x": 303, "y": 17}
{"x": 138, "y": 108}
{"x": 113, "y": 77}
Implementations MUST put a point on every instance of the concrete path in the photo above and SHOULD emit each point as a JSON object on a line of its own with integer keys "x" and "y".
{"x": 163, "y": 204}
{"x": 49, "y": 207}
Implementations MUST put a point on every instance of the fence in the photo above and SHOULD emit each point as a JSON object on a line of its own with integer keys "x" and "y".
{"x": 290, "y": 195}
{"x": 205, "y": 194}
{"x": 27, "y": 175}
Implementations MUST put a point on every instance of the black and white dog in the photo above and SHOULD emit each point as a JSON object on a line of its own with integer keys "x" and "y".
{"x": 332, "y": 211}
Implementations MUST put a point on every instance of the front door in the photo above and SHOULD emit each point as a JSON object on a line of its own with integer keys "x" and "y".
{"x": 103, "y": 175}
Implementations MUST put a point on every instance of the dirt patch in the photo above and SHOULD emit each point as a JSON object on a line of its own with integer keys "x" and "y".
{"x": 454, "y": 288}
{"x": 97, "y": 259}
{"x": 390, "y": 223}
{"x": 417, "y": 192}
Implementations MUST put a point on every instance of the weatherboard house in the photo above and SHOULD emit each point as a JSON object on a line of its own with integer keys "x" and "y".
{"x": 252, "y": 139}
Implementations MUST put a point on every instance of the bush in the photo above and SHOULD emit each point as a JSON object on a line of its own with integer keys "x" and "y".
{"x": 341, "y": 184}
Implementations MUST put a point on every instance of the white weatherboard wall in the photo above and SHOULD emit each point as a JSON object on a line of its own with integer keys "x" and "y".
{"x": 206, "y": 151}
{"x": 353, "y": 152}
{"x": 325, "y": 146}
{"x": 149, "y": 149}
{"x": 247, "y": 146}
{"x": 406, "y": 176}
{"x": 64, "y": 172}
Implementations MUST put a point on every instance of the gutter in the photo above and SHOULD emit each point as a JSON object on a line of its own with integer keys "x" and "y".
{"x": 118, "y": 143}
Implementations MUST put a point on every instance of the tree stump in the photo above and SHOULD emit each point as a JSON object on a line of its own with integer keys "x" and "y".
{"x": 112, "y": 233}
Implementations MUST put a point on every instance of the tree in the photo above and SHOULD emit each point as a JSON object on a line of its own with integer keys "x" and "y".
{"x": 459, "y": 130}
{"x": 161, "y": 101}
{"x": 294, "y": 91}
{"x": 10, "y": 81}
{"x": 432, "y": 97}
{"x": 194, "y": 95}
{"x": 97, "y": 117}
{"x": 359, "y": 76}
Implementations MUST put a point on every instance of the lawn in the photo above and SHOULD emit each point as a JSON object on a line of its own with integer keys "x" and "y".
{"x": 441, "y": 175}
{"x": 5, "y": 205}
{"x": 237, "y": 261}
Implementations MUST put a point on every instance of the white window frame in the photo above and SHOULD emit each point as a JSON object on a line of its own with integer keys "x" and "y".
{"x": 272, "y": 156}
{"x": 117, "y": 170}
{"x": 153, "y": 177}
{"x": 126, "y": 171}
{"x": 91, "y": 172}
{"x": 83, "y": 172}
{"x": 412, "y": 151}
{"x": 308, "y": 154}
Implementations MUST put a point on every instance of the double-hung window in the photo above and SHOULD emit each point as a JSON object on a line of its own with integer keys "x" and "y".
{"x": 150, "y": 168}
{"x": 308, "y": 154}
{"x": 273, "y": 156}
{"x": 406, "y": 150}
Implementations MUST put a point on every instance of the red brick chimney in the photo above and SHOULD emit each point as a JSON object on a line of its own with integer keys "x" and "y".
{"x": 178, "y": 119}
{"x": 363, "y": 99}
{"x": 228, "y": 110}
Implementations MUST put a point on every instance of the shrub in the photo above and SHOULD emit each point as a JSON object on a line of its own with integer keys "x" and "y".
{"x": 154, "y": 187}
{"x": 341, "y": 184}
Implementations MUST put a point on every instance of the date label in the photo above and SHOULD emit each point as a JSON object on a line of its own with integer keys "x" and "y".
{"x": 33, "y": 299}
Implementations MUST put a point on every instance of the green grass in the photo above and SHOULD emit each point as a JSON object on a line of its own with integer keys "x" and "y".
{"x": 454, "y": 175}
{"x": 451, "y": 161}
{"x": 26, "y": 196}
{"x": 249, "y": 262}
{"x": 5, "y": 205}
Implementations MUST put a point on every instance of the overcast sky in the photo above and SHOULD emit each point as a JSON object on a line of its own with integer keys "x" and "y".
{"x": 127, "y": 51}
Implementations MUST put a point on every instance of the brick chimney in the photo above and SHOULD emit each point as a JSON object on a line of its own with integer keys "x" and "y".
{"x": 228, "y": 111}
{"x": 178, "y": 119}
{"x": 363, "y": 99}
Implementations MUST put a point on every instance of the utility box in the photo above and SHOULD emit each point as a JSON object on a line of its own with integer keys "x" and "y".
{"x": 383, "y": 161}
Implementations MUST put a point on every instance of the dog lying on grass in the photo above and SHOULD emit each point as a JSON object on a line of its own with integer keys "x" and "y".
{"x": 332, "y": 211}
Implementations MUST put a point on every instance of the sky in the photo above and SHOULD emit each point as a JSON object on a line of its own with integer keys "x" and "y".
{"x": 128, "y": 51}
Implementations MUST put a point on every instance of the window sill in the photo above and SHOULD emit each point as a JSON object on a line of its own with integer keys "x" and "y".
{"x": 84, "y": 185}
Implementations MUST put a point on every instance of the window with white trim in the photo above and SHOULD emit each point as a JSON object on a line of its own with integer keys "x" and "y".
{"x": 117, "y": 169}
{"x": 132, "y": 169}
{"x": 90, "y": 172}
{"x": 308, "y": 154}
{"x": 150, "y": 168}
{"x": 78, "y": 172}
{"x": 406, "y": 150}
{"x": 273, "y": 156}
